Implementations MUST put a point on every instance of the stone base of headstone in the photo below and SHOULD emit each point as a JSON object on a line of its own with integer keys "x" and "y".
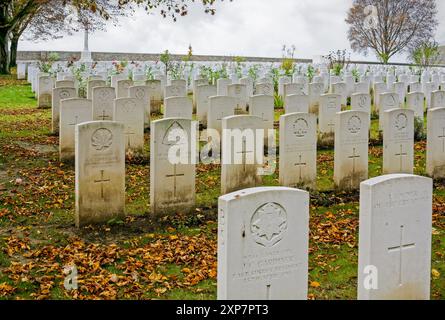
{"x": 351, "y": 182}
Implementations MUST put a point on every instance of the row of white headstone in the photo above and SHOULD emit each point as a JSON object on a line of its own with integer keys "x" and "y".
{"x": 263, "y": 241}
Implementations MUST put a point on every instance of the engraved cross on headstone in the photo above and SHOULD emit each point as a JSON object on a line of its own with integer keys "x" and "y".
{"x": 175, "y": 175}
{"x": 300, "y": 164}
{"x": 399, "y": 249}
{"x": 128, "y": 133}
{"x": 102, "y": 181}
{"x": 401, "y": 154}
{"x": 244, "y": 152}
{"x": 443, "y": 139}
{"x": 103, "y": 116}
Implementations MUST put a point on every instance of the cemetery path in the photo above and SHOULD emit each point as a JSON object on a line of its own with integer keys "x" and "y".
{"x": 172, "y": 257}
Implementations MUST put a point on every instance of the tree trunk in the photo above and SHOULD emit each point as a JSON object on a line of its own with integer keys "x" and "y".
{"x": 13, "y": 54}
{"x": 4, "y": 52}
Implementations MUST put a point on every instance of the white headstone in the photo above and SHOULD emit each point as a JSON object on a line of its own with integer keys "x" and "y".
{"x": 130, "y": 112}
{"x": 351, "y": 149}
{"x": 103, "y": 103}
{"x": 242, "y": 151}
{"x": 72, "y": 112}
{"x": 122, "y": 88}
{"x": 172, "y": 166}
{"x": 416, "y": 101}
{"x": 296, "y": 103}
{"x": 178, "y": 107}
{"x": 435, "y": 150}
{"x": 298, "y": 150}
{"x": 203, "y": 93}
{"x": 398, "y": 141}
{"x": 58, "y": 95}
{"x": 219, "y": 108}
{"x": 92, "y": 84}
{"x": 395, "y": 238}
{"x": 263, "y": 241}
{"x": 100, "y": 172}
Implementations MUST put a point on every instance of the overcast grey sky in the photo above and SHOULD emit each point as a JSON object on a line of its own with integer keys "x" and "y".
{"x": 242, "y": 27}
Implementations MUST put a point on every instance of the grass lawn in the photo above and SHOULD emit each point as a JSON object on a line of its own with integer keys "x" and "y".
{"x": 140, "y": 258}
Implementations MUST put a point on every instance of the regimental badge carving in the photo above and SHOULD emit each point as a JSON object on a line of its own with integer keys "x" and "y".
{"x": 268, "y": 224}
{"x": 401, "y": 121}
{"x": 140, "y": 94}
{"x": 64, "y": 94}
{"x": 354, "y": 124}
{"x": 104, "y": 94}
{"x": 102, "y": 139}
{"x": 300, "y": 127}
{"x": 363, "y": 100}
{"x": 175, "y": 135}
{"x": 391, "y": 101}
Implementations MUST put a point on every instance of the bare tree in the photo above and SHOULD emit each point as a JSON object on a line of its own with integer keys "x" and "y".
{"x": 389, "y": 27}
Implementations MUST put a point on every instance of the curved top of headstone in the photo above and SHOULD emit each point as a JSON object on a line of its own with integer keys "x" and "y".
{"x": 257, "y": 191}
{"x": 393, "y": 177}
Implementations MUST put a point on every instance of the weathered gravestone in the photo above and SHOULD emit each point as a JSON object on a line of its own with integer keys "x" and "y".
{"x": 196, "y": 84}
{"x": 351, "y": 149}
{"x": 361, "y": 102}
{"x": 172, "y": 165}
{"x": 292, "y": 88}
{"x": 203, "y": 93}
{"x": 156, "y": 95}
{"x": 340, "y": 88}
{"x": 239, "y": 91}
{"x": 103, "y": 103}
{"x": 100, "y": 172}
{"x": 122, "y": 88}
{"x": 438, "y": 99}
{"x": 131, "y": 113}
{"x": 242, "y": 152}
{"x": 65, "y": 84}
{"x": 330, "y": 104}
{"x": 93, "y": 84}
{"x": 263, "y": 240}
{"x": 58, "y": 95}
{"x": 388, "y": 101}
{"x": 264, "y": 88}
{"x": 72, "y": 112}
{"x": 219, "y": 108}
{"x": 398, "y": 141}
{"x": 395, "y": 238}
{"x": 44, "y": 91}
{"x": 296, "y": 103}
{"x": 178, "y": 107}
{"x": 298, "y": 150}
{"x": 175, "y": 91}
{"x": 416, "y": 101}
{"x": 378, "y": 89}
{"x": 142, "y": 95}
{"x": 415, "y": 87}
{"x": 435, "y": 149}
{"x": 316, "y": 89}
{"x": 222, "y": 86}
{"x": 263, "y": 106}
